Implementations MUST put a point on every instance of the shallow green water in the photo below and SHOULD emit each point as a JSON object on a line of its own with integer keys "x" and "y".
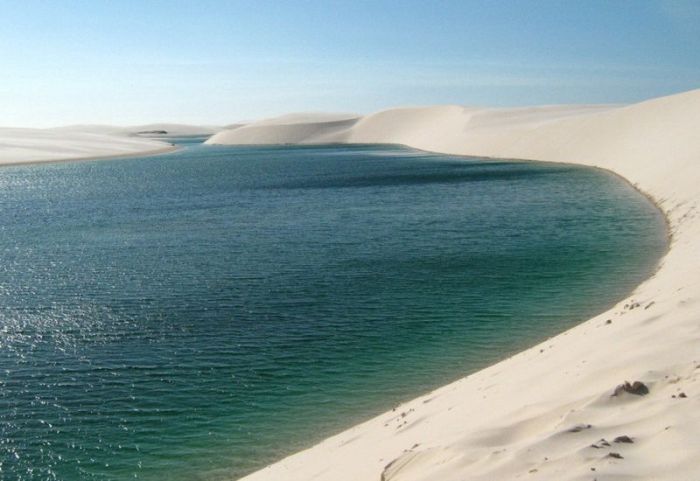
{"x": 200, "y": 314}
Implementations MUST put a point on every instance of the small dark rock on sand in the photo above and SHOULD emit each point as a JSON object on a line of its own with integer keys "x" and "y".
{"x": 578, "y": 428}
{"x": 600, "y": 444}
{"x": 614, "y": 455}
{"x": 637, "y": 387}
{"x": 152, "y": 132}
{"x": 623, "y": 439}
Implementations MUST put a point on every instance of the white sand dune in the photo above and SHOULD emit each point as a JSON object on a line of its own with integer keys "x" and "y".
{"x": 81, "y": 142}
{"x": 170, "y": 129}
{"x": 541, "y": 414}
{"x": 288, "y": 129}
{"x": 173, "y": 130}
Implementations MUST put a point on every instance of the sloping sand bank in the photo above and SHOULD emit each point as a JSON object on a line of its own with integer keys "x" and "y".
{"x": 547, "y": 413}
{"x": 158, "y": 130}
{"x": 19, "y": 146}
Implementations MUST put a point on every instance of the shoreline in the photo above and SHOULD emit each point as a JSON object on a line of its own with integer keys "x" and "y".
{"x": 145, "y": 153}
{"x": 541, "y": 413}
{"x": 82, "y": 143}
{"x": 507, "y": 356}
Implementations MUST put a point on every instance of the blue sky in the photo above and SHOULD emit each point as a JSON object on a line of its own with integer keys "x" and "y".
{"x": 206, "y": 61}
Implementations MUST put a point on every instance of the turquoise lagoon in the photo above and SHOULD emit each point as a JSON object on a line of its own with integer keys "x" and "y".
{"x": 198, "y": 315}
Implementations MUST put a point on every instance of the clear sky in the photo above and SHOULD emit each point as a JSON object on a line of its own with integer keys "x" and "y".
{"x": 217, "y": 62}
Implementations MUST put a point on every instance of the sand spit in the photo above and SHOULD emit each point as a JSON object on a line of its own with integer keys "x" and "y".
{"x": 561, "y": 410}
{"x": 20, "y": 146}
{"x": 154, "y": 130}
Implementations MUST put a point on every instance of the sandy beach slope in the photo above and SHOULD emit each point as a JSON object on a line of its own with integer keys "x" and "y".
{"x": 289, "y": 129}
{"x": 18, "y": 146}
{"x": 547, "y": 413}
{"x": 155, "y": 130}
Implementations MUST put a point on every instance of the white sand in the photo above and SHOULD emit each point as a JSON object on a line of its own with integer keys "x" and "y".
{"x": 18, "y": 146}
{"x": 172, "y": 130}
{"x": 512, "y": 420}
{"x": 288, "y": 129}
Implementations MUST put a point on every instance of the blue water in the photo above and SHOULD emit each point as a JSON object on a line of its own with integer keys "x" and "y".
{"x": 197, "y": 315}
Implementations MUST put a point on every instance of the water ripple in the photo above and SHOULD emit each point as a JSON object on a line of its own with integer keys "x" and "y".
{"x": 200, "y": 314}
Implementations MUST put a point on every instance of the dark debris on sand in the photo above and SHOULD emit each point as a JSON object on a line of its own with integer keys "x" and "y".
{"x": 637, "y": 387}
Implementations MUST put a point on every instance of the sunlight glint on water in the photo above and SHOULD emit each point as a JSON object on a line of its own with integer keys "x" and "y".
{"x": 200, "y": 314}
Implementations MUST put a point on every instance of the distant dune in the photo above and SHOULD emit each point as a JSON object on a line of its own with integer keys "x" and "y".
{"x": 42, "y": 145}
{"x": 560, "y": 410}
{"x": 439, "y": 126}
{"x": 90, "y": 141}
{"x": 288, "y": 129}
{"x": 171, "y": 130}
